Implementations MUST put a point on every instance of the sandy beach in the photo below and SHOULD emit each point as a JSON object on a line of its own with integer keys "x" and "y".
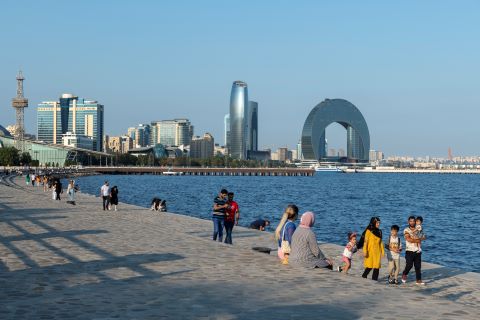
{"x": 59, "y": 261}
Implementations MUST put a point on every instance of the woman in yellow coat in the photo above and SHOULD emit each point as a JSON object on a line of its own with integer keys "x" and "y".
{"x": 373, "y": 248}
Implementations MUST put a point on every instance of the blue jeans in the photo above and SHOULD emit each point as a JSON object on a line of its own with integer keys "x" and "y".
{"x": 229, "y": 228}
{"x": 218, "y": 222}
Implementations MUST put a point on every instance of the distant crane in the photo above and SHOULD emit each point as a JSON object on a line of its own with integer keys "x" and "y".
{"x": 20, "y": 103}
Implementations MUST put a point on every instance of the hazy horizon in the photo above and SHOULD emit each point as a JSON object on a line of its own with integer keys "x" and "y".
{"x": 411, "y": 67}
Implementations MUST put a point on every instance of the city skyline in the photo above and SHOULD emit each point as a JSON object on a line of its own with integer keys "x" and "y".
{"x": 412, "y": 75}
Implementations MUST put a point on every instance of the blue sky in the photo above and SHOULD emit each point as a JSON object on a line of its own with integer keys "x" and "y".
{"x": 411, "y": 67}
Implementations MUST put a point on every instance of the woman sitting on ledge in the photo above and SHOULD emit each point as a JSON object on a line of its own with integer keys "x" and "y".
{"x": 305, "y": 251}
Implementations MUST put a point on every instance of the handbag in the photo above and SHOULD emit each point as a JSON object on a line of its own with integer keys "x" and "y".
{"x": 285, "y": 244}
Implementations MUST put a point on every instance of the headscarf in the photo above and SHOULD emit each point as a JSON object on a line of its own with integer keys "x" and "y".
{"x": 372, "y": 226}
{"x": 307, "y": 220}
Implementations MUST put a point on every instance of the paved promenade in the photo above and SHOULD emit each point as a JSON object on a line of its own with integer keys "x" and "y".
{"x": 59, "y": 261}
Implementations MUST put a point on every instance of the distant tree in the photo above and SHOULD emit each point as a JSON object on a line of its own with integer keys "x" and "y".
{"x": 9, "y": 156}
{"x": 25, "y": 158}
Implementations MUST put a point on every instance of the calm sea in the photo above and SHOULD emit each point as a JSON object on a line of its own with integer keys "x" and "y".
{"x": 342, "y": 202}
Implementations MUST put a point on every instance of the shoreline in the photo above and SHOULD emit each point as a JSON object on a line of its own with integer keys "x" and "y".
{"x": 135, "y": 263}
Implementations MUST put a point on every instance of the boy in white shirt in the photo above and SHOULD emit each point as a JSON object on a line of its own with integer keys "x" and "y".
{"x": 394, "y": 246}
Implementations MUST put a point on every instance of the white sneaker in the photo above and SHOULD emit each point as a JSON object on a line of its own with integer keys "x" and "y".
{"x": 421, "y": 283}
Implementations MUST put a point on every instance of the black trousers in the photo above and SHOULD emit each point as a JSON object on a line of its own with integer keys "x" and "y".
{"x": 106, "y": 202}
{"x": 413, "y": 259}
{"x": 374, "y": 274}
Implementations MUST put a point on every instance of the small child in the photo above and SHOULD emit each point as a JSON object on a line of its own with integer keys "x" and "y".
{"x": 419, "y": 233}
{"x": 348, "y": 252}
{"x": 394, "y": 246}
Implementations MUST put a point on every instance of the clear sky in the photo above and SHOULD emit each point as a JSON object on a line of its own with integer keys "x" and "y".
{"x": 411, "y": 67}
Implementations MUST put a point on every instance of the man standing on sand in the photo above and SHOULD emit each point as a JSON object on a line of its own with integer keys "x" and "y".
{"x": 413, "y": 255}
{"x": 231, "y": 217}
{"x": 105, "y": 195}
{"x": 220, "y": 206}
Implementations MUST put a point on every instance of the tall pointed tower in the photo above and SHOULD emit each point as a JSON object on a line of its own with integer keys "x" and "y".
{"x": 20, "y": 103}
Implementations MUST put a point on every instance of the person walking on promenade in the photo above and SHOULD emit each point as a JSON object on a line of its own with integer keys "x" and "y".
{"x": 45, "y": 183}
{"x": 71, "y": 192}
{"x": 58, "y": 189}
{"x": 373, "y": 248}
{"x": 231, "y": 217}
{"x": 220, "y": 206}
{"x": 114, "y": 197}
{"x": 305, "y": 251}
{"x": 27, "y": 179}
{"x": 32, "y": 177}
{"x": 413, "y": 255}
{"x": 394, "y": 246}
{"x": 284, "y": 232}
{"x": 105, "y": 195}
{"x": 348, "y": 252}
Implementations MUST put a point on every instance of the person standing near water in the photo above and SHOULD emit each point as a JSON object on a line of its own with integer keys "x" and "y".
{"x": 105, "y": 195}
{"x": 220, "y": 206}
{"x": 114, "y": 197}
{"x": 27, "y": 179}
{"x": 231, "y": 217}
{"x": 58, "y": 189}
{"x": 413, "y": 255}
{"x": 373, "y": 248}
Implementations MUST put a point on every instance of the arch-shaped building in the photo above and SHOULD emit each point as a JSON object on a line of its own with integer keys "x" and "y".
{"x": 346, "y": 114}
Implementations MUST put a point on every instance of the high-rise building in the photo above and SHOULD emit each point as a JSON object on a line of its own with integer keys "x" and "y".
{"x": 283, "y": 154}
{"x": 175, "y": 132}
{"x": 226, "y": 123}
{"x": 252, "y": 125}
{"x": 299, "y": 150}
{"x": 142, "y": 135}
{"x": 120, "y": 144}
{"x": 70, "y": 114}
{"x": 202, "y": 148}
{"x": 238, "y": 120}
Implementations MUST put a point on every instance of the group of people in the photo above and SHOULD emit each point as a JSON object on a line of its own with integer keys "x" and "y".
{"x": 50, "y": 182}
{"x": 109, "y": 196}
{"x": 158, "y": 204}
{"x": 298, "y": 246}
{"x": 226, "y": 214}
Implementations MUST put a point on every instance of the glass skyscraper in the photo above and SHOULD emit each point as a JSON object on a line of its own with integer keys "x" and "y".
{"x": 226, "y": 123}
{"x": 70, "y": 114}
{"x": 172, "y": 132}
{"x": 238, "y": 120}
{"x": 252, "y": 126}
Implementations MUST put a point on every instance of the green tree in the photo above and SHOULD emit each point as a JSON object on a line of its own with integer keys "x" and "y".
{"x": 9, "y": 156}
{"x": 25, "y": 158}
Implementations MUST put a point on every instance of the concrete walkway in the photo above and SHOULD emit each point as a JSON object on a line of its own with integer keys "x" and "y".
{"x": 59, "y": 261}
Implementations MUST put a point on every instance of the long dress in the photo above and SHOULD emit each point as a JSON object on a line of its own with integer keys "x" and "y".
{"x": 374, "y": 250}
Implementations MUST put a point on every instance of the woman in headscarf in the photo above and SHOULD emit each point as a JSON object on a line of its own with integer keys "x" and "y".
{"x": 305, "y": 251}
{"x": 284, "y": 232}
{"x": 373, "y": 249}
